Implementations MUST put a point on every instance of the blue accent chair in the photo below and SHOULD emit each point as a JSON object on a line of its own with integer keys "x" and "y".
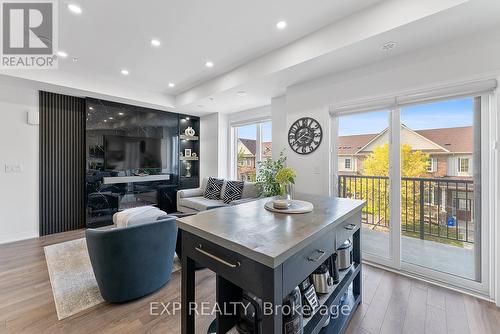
{"x": 132, "y": 262}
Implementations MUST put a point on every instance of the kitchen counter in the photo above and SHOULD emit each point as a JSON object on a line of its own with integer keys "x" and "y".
{"x": 267, "y": 254}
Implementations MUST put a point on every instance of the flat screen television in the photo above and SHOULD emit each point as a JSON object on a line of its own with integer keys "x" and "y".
{"x": 124, "y": 153}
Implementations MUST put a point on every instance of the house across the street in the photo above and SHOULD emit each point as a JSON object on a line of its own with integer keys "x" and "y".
{"x": 449, "y": 150}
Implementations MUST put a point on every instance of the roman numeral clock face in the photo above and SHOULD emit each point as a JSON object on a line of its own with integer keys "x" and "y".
{"x": 305, "y": 135}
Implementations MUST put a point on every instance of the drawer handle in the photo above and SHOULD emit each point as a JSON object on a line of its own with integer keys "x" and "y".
{"x": 216, "y": 258}
{"x": 350, "y": 227}
{"x": 321, "y": 253}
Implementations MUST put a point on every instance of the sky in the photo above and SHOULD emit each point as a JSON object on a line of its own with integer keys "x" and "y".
{"x": 444, "y": 114}
{"x": 250, "y": 131}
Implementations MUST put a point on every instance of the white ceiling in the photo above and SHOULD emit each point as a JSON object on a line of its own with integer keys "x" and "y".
{"x": 111, "y": 35}
{"x": 240, "y": 37}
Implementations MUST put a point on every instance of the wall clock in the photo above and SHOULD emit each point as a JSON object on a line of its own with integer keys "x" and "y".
{"x": 305, "y": 135}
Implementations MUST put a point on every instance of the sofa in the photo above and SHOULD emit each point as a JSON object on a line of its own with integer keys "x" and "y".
{"x": 192, "y": 200}
{"x": 133, "y": 261}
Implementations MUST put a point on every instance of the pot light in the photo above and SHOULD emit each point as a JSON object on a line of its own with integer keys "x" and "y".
{"x": 62, "y": 54}
{"x": 121, "y": 114}
{"x": 388, "y": 46}
{"x": 105, "y": 120}
{"x": 187, "y": 118}
{"x": 281, "y": 25}
{"x": 110, "y": 117}
{"x": 91, "y": 108}
{"x": 171, "y": 84}
{"x": 74, "y": 8}
{"x": 209, "y": 64}
{"x": 155, "y": 42}
{"x": 125, "y": 72}
{"x": 241, "y": 93}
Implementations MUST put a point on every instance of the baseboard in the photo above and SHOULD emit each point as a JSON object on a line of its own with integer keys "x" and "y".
{"x": 5, "y": 239}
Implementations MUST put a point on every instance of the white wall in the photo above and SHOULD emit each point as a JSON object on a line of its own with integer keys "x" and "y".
{"x": 278, "y": 110}
{"x": 473, "y": 57}
{"x": 250, "y": 115}
{"x": 18, "y": 146}
{"x": 209, "y": 144}
{"x": 214, "y": 145}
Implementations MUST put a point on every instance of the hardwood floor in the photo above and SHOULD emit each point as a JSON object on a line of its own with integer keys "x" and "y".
{"x": 391, "y": 303}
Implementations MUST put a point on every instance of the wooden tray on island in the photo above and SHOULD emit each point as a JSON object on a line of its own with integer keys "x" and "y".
{"x": 296, "y": 206}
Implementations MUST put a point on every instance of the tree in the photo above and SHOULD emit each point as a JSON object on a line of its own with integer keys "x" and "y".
{"x": 413, "y": 163}
{"x": 240, "y": 156}
{"x": 376, "y": 191}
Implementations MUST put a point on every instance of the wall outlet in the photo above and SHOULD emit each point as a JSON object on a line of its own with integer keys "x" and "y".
{"x": 13, "y": 168}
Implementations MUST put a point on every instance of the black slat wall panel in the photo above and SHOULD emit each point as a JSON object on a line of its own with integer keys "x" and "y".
{"x": 62, "y": 163}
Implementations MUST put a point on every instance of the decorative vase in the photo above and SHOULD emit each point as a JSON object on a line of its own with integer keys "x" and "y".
{"x": 286, "y": 191}
{"x": 189, "y": 131}
{"x": 284, "y": 199}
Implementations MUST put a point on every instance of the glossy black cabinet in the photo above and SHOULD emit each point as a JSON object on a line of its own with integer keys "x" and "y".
{"x": 133, "y": 158}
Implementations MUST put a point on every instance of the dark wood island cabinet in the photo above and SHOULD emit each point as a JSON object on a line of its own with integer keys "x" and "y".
{"x": 269, "y": 254}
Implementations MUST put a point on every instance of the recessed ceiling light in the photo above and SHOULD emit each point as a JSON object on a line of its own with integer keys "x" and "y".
{"x": 121, "y": 114}
{"x": 110, "y": 117}
{"x": 171, "y": 84}
{"x": 388, "y": 46}
{"x": 75, "y": 60}
{"x": 187, "y": 118}
{"x": 209, "y": 64}
{"x": 91, "y": 108}
{"x": 241, "y": 93}
{"x": 155, "y": 42}
{"x": 105, "y": 120}
{"x": 62, "y": 54}
{"x": 75, "y": 8}
{"x": 281, "y": 25}
{"x": 125, "y": 72}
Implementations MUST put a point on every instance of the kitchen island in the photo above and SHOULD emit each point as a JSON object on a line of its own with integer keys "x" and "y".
{"x": 269, "y": 254}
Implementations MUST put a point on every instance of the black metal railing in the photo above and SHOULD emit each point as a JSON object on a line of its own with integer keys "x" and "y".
{"x": 439, "y": 209}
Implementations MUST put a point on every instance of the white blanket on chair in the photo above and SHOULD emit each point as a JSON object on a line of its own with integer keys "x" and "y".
{"x": 135, "y": 216}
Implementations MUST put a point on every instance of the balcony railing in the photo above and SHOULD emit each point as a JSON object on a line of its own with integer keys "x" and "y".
{"x": 433, "y": 209}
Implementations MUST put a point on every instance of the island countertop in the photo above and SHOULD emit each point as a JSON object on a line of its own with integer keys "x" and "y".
{"x": 267, "y": 237}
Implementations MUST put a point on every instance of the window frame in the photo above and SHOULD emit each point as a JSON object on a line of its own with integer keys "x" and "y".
{"x": 233, "y": 151}
{"x": 433, "y": 165}
{"x": 487, "y": 170}
{"x": 459, "y": 165}
{"x": 350, "y": 163}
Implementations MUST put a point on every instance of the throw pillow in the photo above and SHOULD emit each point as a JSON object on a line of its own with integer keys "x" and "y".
{"x": 214, "y": 187}
{"x": 234, "y": 190}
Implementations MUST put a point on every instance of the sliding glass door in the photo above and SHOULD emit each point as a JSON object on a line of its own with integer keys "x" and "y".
{"x": 421, "y": 168}
{"x": 440, "y": 213}
{"x": 363, "y": 173}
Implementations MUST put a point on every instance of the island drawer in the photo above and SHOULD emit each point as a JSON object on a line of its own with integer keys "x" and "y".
{"x": 234, "y": 267}
{"x": 345, "y": 230}
{"x": 302, "y": 264}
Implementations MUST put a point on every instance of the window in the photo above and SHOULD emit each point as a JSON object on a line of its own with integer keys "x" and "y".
{"x": 463, "y": 165}
{"x": 253, "y": 144}
{"x": 437, "y": 205}
{"x": 347, "y": 163}
{"x": 432, "y": 167}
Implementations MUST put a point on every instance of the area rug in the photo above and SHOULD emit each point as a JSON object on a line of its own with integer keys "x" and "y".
{"x": 73, "y": 282}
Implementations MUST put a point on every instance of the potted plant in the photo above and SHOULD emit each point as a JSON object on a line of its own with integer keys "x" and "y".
{"x": 285, "y": 178}
{"x": 266, "y": 177}
{"x": 275, "y": 179}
